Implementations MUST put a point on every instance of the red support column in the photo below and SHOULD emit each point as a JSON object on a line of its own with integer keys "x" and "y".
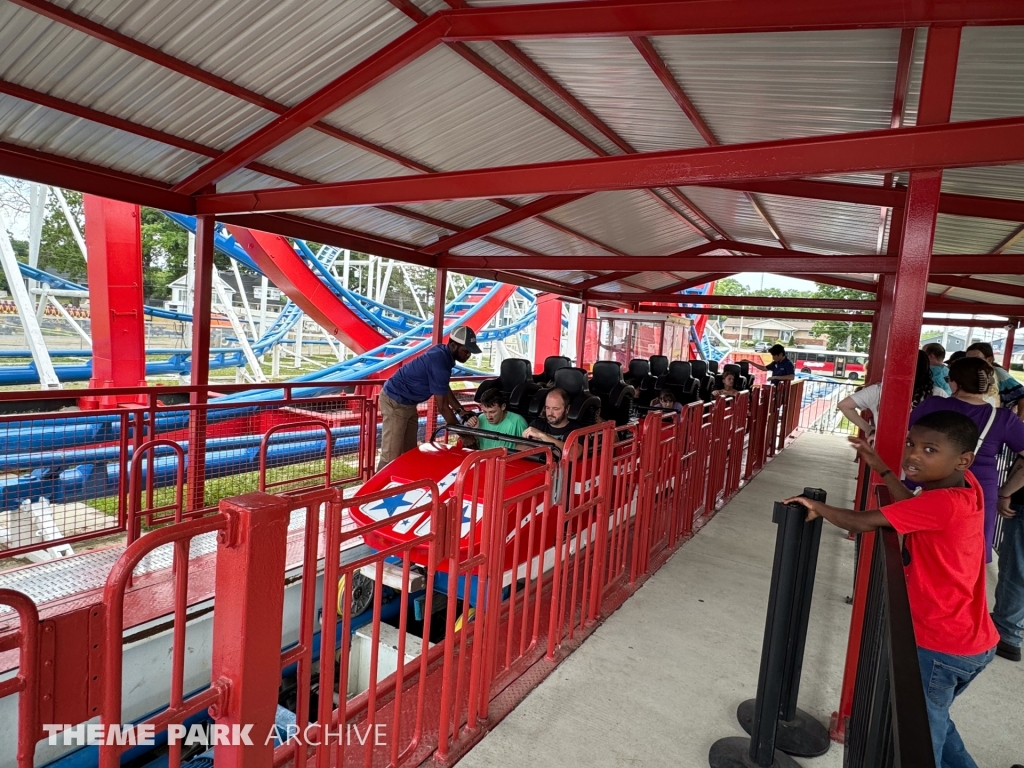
{"x": 581, "y": 334}
{"x": 437, "y": 336}
{"x": 906, "y": 311}
{"x": 547, "y": 330}
{"x": 200, "y": 373}
{"x": 114, "y": 241}
{"x": 247, "y": 622}
{"x": 1008, "y": 348}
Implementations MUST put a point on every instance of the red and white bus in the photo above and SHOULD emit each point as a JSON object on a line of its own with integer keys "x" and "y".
{"x": 840, "y": 365}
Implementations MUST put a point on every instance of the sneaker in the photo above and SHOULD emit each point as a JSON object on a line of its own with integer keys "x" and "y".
{"x": 1007, "y": 651}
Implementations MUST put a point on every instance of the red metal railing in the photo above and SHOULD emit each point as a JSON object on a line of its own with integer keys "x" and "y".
{"x": 26, "y": 682}
{"x": 618, "y": 506}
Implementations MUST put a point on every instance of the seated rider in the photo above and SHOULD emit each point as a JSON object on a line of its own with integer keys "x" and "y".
{"x": 668, "y": 401}
{"x": 556, "y": 425}
{"x": 496, "y": 419}
{"x": 728, "y": 386}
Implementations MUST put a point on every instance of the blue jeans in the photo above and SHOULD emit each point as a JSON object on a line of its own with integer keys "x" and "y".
{"x": 1008, "y": 613}
{"x": 945, "y": 677}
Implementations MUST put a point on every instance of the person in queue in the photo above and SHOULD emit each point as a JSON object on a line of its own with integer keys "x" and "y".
{"x": 936, "y": 356}
{"x": 555, "y": 426}
{"x": 668, "y": 401}
{"x": 1009, "y": 391}
{"x": 781, "y": 367}
{"x": 861, "y": 407}
{"x": 496, "y": 419}
{"x": 429, "y": 375}
{"x": 970, "y": 378}
{"x": 1008, "y": 610}
{"x": 728, "y": 386}
{"x": 942, "y": 556}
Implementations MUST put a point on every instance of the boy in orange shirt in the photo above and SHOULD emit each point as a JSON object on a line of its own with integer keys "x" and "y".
{"x": 944, "y": 562}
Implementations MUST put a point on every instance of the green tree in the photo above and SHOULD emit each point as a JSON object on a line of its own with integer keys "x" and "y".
{"x": 839, "y": 334}
{"x": 730, "y": 286}
{"x": 58, "y": 250}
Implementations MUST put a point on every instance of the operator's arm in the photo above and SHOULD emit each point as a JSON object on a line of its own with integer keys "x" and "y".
{"x": 897, "y": 489}
{"x": 445, "y": 408}
{"x": 759, "y": 366}
{"x": 847, "y": 519}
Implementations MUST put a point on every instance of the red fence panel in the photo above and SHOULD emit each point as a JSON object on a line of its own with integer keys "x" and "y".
{"x": 26, "y": 682}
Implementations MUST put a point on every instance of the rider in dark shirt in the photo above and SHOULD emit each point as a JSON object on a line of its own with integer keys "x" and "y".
{"x": 556, "y": 425}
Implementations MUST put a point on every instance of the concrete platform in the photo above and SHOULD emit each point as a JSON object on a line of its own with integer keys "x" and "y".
{"x": 658, "y": 683}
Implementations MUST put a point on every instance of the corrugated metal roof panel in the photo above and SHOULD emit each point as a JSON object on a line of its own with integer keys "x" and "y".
{"x": 613, "y": 80}
{"x": 988, "y": 74}
{"x": 53, "y": 59}
{"x": 538, "y": 236}
{"x": 462, "y": 213}
{"x": 733, "y": 212}
{"x": 480, "y": 248}
{"x": 524, "y": 79}
{"x": 246, "y": 179}
{"x": 995, "y": 181}
{"x": 630, "y": 221}
{"x": 443, "y": 112}
{"x": 561, "y": 275}
{"x": 29, "y": 125}
{"x": 377, "y": 222}
{"x": 824, "y": 225}
{"x": 283, "y": 49}
{"x": 960, "y": 234}
{"x": 758, "y": 87}
{"x": 320, "y": 157}
{"x": 969, "y": 294}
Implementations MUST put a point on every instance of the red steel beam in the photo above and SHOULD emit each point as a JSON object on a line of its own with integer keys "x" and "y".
{"x": 524, "y": 280}
{"x": 527, "y": 211}
{"x": 610, "y": 277}
{"x": 312, "y": 109}
{"x": 664, "y": 74}
{"x": 839, "y": 282}
{"x": 670, "y": 297}
{"x": 975, "y": 206}
{"x": 972, "y": 284}
{"x": 57, "y": 171}
{"x": 650, "y": 19}
{"x": 783, "y": 263}
{"x": 806, "y": 315}
{"x": 112, "y": 37}
{"x": 962, "y": 144}
{"x": 693, "y": 282}
{"x": 899, "y": 100}
{"x": 1012, "y": 240}
{"x": 329, "y": 234}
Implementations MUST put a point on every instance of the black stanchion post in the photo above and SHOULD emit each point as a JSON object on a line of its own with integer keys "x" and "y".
{"x": 759, "y": 749}
{"x": 798, "y": 733}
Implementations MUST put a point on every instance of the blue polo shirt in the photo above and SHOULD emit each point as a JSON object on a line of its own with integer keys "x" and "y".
{"x": 428, "y": 375}
{"x": 782, "y": 368}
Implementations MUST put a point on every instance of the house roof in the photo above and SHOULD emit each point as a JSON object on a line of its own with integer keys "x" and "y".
{"x": 502, "y": 139}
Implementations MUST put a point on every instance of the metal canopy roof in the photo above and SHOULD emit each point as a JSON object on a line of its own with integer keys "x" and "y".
{"x": 152, "y": 101}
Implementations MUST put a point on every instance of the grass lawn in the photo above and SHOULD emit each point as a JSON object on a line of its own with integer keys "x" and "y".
{"x": 297, "y": 476}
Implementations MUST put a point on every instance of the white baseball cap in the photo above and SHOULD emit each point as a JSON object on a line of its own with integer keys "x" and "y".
{"x": 464, "y": 336}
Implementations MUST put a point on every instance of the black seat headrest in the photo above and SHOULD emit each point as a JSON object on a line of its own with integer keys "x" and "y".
{"x": 606, "y": 375}
{"x": 659, "y": 365}
{"x": 553, "y": 364}
{"x": 744, "y": 367}
{"x": 699, "y": 368}
{"x": 679, "y": 372}
{"x": 733, "y": 369}
{"x": 572, "y": 380}
{"x": 713, "y": 366}
{"x": 514, "y": 371}
{"x": 638, "y": 368}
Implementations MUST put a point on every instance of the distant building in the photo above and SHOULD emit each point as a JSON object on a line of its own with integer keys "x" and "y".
{"x": 253, "y": 285}
{"x": 791, "y": 332}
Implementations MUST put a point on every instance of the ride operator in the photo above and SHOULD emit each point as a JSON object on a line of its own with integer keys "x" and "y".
{"x": 429, "y": 375}
{"x": 781, "y": 367}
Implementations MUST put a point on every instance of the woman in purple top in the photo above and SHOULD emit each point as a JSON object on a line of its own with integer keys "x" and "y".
{"x": 970, "y": 378}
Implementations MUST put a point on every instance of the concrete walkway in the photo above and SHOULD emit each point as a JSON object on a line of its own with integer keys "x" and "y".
{"x": 658, "y": 683}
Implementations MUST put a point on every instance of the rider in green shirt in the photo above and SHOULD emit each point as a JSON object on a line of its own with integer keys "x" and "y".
{"x": 497, "y": 419}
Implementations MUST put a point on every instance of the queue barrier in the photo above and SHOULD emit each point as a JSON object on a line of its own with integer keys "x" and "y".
{"x": 620, "y": 506}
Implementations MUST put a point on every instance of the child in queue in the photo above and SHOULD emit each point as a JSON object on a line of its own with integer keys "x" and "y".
{"x": 944, "y": 562}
